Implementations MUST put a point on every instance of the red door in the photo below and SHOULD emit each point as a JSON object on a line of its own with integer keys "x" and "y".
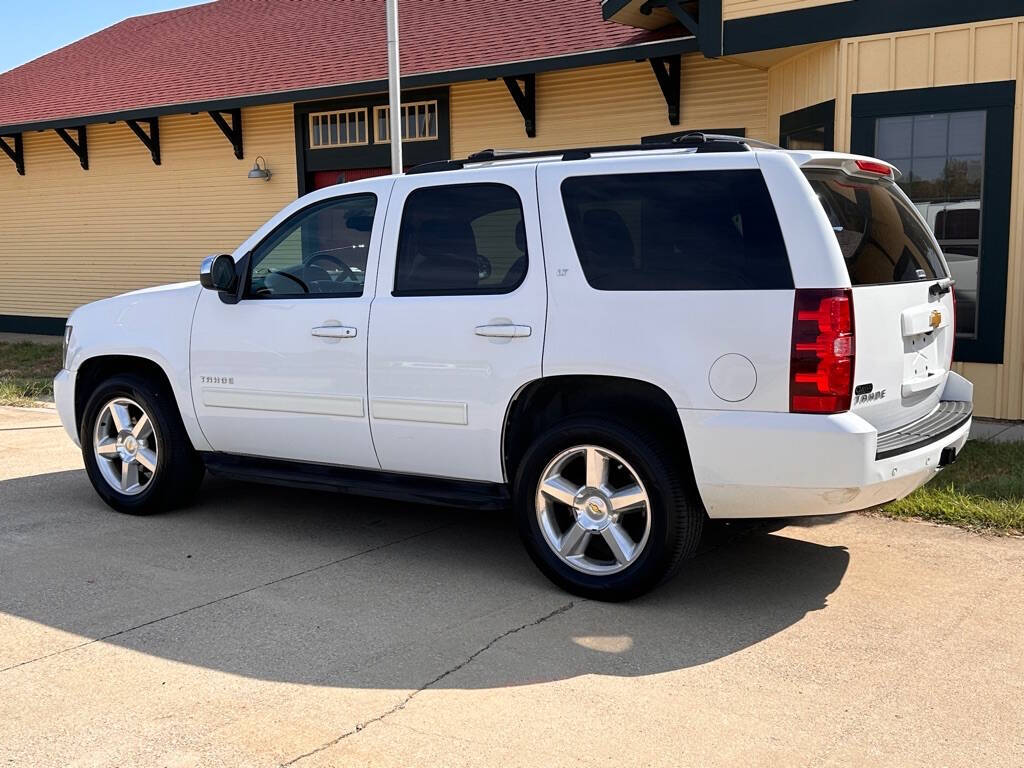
{"x": 323, "y": 179}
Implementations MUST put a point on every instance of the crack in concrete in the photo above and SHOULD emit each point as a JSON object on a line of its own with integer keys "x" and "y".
{"x": 208, "y": 603}
{"x": 451, "y": 671}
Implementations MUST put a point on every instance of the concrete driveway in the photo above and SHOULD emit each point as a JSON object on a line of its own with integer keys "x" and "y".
{"x": 269, "y": 627}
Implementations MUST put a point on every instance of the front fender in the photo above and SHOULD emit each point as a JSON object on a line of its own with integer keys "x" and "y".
{"x": 153, "y": 324}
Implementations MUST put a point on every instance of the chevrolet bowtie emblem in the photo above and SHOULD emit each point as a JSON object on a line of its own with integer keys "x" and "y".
{"x": 936, "y": 319}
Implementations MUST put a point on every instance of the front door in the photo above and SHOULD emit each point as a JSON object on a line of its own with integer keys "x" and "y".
{"x": 458, "y": 320}
{"x": 282, "y": 373}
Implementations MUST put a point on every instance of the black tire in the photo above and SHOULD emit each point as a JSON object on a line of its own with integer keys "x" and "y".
{"x": 179, "y": 470}
{"x": 677, "y": 516}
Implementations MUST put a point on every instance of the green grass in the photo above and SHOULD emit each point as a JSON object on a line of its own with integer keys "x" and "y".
{"x": 26, "y": 371}
{"x": 983, "y": 490}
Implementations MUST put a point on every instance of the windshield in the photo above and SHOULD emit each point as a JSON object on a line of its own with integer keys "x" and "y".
{"x": 880, "y": 233}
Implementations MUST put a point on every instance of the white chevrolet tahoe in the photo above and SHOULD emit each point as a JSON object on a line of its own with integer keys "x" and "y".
{"x": 616, "y": 343}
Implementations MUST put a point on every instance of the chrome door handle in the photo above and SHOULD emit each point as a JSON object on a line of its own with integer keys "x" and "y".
{"x": 507, "y": 331}
{"x": 334, "y": 332}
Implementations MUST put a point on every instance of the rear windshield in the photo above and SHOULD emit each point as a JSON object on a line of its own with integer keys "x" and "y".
{"x": 676, "y": 231}
{"x": 882, "y": 238}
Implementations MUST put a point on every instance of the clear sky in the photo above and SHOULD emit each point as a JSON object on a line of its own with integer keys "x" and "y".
{"x": 30, "y": 28}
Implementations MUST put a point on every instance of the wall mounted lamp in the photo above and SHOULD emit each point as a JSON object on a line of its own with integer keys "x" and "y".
{"x": 260, "y": 173}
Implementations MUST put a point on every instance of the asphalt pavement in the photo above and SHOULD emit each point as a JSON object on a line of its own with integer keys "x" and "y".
{"x": 269, "y": 626}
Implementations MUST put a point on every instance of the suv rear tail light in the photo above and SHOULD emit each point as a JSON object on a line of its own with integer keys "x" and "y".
{"x": 824, "y": 351}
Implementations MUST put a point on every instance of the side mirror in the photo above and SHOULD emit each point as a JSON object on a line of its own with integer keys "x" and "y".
{"x": 218, "y": 273}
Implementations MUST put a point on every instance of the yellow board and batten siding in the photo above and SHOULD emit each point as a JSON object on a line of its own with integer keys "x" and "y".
{"x": 958, "y": 55}
{"x": 610, "y": 104}
{"x": 808, "y": 78}
{"x": 69, "y": 236}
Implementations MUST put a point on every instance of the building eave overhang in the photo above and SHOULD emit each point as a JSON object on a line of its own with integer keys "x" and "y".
{"x": 628, "y": 12}
{"x": 855, "y": 18}
{"x": 815, "y": 24}
{"x": 702, "y": 18}
{"x": 639, "y": 51}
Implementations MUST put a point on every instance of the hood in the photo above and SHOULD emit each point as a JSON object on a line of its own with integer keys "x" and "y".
{"x": 124, "y": 308}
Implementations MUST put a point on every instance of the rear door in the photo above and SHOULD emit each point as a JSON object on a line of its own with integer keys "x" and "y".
{"x": 902, "y": 297}
{"x": 458, "y": 319}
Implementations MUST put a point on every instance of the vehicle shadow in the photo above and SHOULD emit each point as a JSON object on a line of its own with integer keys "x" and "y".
{"x": 317, "y": 588}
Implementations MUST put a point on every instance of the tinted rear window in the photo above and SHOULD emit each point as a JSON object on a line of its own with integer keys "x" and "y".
{"x": 882, "y": 238}
{"x": 461, "y": 239}
{"x": 694, "y": 230}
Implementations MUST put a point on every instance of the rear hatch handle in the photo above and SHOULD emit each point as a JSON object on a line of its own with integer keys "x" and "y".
{"x": 940, "y": 288}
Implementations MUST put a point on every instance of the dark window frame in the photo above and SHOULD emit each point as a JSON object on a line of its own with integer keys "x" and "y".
{"x": 997, "y": 100}
{"x": 496, "y": 290}
{"x": 821, "y": 115}
{"x": 369, "y": 155}
{"x": 282, "y": 227}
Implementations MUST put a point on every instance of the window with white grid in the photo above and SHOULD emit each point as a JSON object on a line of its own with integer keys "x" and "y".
{"x": 419, "y": 122}
{"x": 341, "y": 128}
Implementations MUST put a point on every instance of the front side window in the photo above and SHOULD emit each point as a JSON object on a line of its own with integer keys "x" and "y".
{"x": 677, "y": 231}
{"x": 461, "y": 239}
{"x": 942, "y": 157}
{"x": 320, "y": 251}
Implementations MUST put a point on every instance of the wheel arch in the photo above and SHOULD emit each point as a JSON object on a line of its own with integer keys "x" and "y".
{"x": 98, "y": 368}
{"x": 547, "y": 400}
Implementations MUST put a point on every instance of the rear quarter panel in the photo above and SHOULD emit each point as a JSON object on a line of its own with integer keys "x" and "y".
{"x": 814, "y": 253}
{"x": 668, "y": 338}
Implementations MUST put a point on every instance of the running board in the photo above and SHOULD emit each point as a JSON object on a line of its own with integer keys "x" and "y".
{"x": 465, "y": 494}
{"x": 947, "y": 418}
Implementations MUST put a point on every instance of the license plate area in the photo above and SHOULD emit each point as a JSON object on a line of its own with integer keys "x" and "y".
{"x": 923, "y": 364}
{"x": 922, "y": 368}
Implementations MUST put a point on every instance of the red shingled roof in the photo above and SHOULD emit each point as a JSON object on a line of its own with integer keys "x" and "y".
{"x": 231, "y": 49}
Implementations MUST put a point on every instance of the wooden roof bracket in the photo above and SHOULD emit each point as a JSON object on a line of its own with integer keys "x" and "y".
{"x": 675, "y": 7}
{"x": 525, "y": 97}
{"x": 234, "y": 131}
{"x": 16, "y": 153}
{"x": 151, "y": 140}
{"x": 668, "y": 71}
{"x": 80, "y": 146}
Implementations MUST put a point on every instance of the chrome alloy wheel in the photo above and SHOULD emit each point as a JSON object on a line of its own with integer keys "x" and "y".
{"x": 125, "y": 446}
{"x": 593, "y": 510}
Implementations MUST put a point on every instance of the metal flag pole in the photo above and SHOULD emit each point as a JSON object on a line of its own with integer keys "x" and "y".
{"x": 394, "y": 89}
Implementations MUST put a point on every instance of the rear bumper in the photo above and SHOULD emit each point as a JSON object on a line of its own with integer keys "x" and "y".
{"x": 783, "y": 465}
{"x": 944, "y": 420}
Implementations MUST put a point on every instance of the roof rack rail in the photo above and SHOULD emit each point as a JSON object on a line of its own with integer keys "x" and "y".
{"x": 701, "y": 142}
